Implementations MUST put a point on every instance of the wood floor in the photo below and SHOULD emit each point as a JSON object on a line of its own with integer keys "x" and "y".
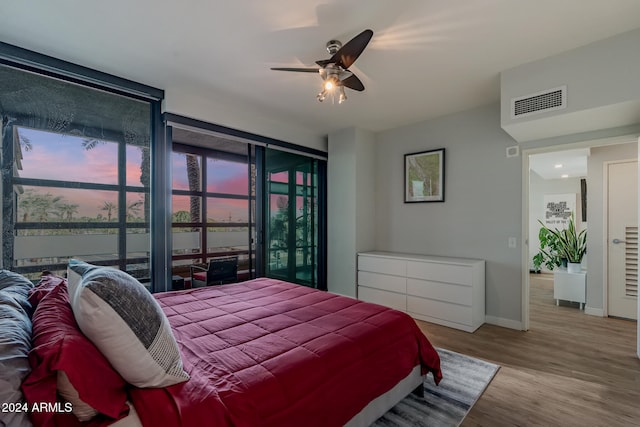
{"x": 569, "y": 369}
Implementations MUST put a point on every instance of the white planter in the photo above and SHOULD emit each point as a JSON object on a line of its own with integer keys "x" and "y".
{"x": 574, "y": 267}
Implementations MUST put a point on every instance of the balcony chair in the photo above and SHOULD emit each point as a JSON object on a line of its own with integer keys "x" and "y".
{"x": 217, "y": 272}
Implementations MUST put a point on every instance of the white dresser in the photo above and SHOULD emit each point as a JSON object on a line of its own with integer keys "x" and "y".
{"x": 447, "y": 291}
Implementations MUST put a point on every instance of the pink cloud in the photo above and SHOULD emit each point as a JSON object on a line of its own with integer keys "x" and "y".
{"x": 231, "y": 185}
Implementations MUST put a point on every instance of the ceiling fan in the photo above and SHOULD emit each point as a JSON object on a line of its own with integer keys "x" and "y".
{"x": 334, "y": 71}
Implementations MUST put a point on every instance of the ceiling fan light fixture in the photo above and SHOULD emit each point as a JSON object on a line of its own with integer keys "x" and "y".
{"x": 328, "y": 85}
{"x": 343, "y": 96}
{"x": 335, "y": 71}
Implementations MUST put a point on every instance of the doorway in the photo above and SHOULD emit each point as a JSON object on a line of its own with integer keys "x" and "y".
{"x": 604, "y": 150}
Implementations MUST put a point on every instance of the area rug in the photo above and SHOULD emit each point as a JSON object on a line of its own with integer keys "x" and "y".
{"x": 464, "y": 380}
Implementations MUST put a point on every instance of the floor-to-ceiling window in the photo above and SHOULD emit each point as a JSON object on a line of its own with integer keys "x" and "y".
{"x": 75, "y": 175}
{"x": 213, "y": 201}
{"x": 87, "y": 173}
{"x": 260, "y": 199}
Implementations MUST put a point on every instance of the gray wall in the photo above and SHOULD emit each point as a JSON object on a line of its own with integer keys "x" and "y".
{"x": 365, "y": 191}
{"x": 595, "y": 211}
{"x": 602, "y": 89}
{"x": 350, "y": 206}
{"x": 483, "y": 201}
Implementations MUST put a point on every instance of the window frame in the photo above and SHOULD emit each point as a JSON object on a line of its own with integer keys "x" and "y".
{"x": 204, "y": 195}
{"x": 28, "y": 61}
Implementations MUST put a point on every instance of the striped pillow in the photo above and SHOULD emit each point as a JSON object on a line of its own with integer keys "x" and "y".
{"x": 125, "y": 322}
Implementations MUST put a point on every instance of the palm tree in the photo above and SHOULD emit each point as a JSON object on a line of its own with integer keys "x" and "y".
{"x": 133, "y": 209}
{"x": 109, "y": 207}
{"x": 27, "y": 204}
{"x": 38, "y": 207}
{"x": 193, "y": 177}
{"x": 44, "y": 205}
{"x": 25, "y": 142}
{"x": 181, "y": 216}
{"x": 280, "y": 224}
{"x": 67, "y": 210}
{"x": 91, "y": 143}
{"x": 145, "y": 179}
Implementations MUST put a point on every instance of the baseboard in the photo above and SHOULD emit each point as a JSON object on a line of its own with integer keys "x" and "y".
{"x": 593, "y": 311}
{"x": 505, "y": 323}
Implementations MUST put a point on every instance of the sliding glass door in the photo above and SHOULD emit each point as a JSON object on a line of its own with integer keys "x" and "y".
{"x": 291, "y": 217}
{"x": 232, "y": 194}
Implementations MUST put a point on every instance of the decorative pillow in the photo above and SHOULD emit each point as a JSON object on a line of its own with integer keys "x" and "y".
{"x": 15, "y": 343}
{"x": 119, "y": 315}
{"x": 88, "y": 380}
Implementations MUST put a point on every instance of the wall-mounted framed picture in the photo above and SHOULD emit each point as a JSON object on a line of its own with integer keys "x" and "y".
{"x": 424, "y": 176}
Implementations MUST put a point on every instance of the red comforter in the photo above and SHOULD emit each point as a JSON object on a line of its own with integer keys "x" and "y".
{"x": 270, "y": 353}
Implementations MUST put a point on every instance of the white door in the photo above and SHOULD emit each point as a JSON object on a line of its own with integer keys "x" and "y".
{"x": 622, "y": 238}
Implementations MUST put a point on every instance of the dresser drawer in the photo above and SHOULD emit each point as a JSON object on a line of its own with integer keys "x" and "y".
{"x": 440, "y": 310}
{"x": 382, "y": 281}
{"x": 448, "y": 273}
{"x": 444, "y": 290}
{"x": 462, "y": 295}
{"x": 395, "y": 267}
{"x": 388, "y": 299}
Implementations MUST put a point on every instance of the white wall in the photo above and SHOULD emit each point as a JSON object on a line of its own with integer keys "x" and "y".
{"x": 232, "y": 113}
{"x": 482, "y": 207}
{"x": 350, "y": 206}
{"x": 602, "y": 89}
{"x": 538, "y": 187}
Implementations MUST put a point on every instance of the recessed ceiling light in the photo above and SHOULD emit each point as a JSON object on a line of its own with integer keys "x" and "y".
{"x": 564, "y": 176}
{"x": 557, "y": 166}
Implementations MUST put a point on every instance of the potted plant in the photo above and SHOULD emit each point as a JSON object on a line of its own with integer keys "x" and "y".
{"x": 566, "y": 243}
{"x": 548, "y": 255}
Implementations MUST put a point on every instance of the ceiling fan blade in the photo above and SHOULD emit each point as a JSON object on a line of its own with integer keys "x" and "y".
{"x": 323, "y": 62}
{"x": 347, "y": 55}
{"x": 352, "y": 82}
{"x": 299, "y": 70}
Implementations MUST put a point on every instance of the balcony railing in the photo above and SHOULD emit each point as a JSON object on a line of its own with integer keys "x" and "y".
{"x": 34, "y": 254}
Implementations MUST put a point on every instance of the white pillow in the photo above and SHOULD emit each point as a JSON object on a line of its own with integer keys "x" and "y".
{"x": 125, "y": 322}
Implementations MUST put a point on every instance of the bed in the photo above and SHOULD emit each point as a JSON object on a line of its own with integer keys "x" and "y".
{"x": 267, "y": 352}
{"x": 271, "y": 353}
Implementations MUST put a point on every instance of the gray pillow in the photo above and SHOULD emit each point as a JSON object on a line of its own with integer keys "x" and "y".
{"x": 15, "y": 344}
{"x": 126, "y": 323}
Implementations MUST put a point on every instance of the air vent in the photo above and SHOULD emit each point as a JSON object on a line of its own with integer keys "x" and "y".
{"x": 541, "y": 102}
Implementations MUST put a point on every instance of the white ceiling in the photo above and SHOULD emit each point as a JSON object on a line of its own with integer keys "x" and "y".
{"x": 427, "y": 58}
{"x": 572, "y": 163}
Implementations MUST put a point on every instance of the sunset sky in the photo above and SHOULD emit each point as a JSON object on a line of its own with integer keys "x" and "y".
{"x": 222, "y": 177}
{"x": 62, "y": 157}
